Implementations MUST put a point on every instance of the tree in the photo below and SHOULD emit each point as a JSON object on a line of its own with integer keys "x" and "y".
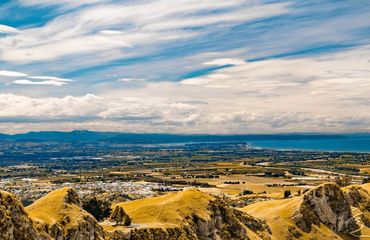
{"x": 99, "y": 208}
{"x": 120, "y": 216}
{"x": 246, "y": 192}
{"x": 365, "y": 180}
{"x": 343, "y": 181}
{"x": 287, "y": 193}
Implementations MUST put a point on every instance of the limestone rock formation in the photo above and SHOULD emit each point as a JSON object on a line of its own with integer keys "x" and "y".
{"x": 14, "y": 221}
{"x": 326, "y": 204}
{"x": 359, "y": 198}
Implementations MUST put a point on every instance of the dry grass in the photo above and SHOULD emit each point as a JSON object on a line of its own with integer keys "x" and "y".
{"x": 52, "y": 208}
{"x": 170, "y": 209}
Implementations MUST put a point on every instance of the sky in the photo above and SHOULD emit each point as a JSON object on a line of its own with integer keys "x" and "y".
{"x": 185, "y": 66}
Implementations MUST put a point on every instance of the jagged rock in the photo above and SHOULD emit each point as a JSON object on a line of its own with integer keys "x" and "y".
{"x": 14, "y": 221}
{"x": 71, "y": 197}
{"x": 326, "y": 204}
{"x": 229, "y": 223}
{"x": 360, "y": 198}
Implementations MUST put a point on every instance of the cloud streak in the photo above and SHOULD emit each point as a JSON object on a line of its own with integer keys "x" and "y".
{"x": 8, "y": 30}
{"x": 30, "y": 82}
{"x": 6, "y": 73}
{"x": 85, "y": 31}
{"x": 34, "y": 80}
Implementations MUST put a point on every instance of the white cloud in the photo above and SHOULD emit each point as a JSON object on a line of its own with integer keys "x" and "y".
{"x": 111, "y": 32}
{"x": 7, "y": 29}
{"x": 13, "y": 106}
{"x": 29, "y": 82}
{"x": 6, "y": 73}
{"x": 225, "y": 61}
{"x": 51, "y": 78}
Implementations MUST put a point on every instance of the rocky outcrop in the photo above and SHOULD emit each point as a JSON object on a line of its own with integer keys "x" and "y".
{"x": 328, "y": 205}
{"x": 359, "y": 198}
{"x": 60, "y": 215}
{"x": 229, "y": 223}
{"x": 14, "y": 221}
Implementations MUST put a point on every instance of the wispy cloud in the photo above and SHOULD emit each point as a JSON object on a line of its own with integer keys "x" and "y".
{"x": 34, "y": 80}
{"x": 90, "y": 29}
{"x": 225, "y": 61}
{"x": 8, "y": 30}
{"x": 30, "y": 82}
{"x": 260, "y": 66}
{"x": 61, "y": 3}
{"x": 51, "y": 78}
{"x": 6, "y": 73}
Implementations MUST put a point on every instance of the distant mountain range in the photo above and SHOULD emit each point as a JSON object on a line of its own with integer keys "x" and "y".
{"x": 147, "y": 138}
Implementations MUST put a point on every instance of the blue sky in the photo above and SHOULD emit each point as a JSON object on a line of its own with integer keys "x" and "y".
{"x": 189, "y": 66}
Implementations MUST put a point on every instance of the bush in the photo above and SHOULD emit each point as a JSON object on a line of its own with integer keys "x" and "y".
{"x": 120, "y": 216}
{"x": 343, "y": 181}
{"x": 287, "y": 193}
{"x": 246, "y": 192}
{"x": 98, "y": 208}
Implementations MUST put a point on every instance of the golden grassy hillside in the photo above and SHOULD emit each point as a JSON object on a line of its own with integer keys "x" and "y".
{"x": 169, "y": 209}
{"x": 53, "y": 208}
{"x": 188, "y": 215}
{"x": 61, "y": 216}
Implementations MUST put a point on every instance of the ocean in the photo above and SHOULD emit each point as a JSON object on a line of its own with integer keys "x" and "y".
{"x": 348, "y": 143}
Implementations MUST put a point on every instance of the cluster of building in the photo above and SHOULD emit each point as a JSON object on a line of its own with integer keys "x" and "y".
{"x": 29, "y": 190}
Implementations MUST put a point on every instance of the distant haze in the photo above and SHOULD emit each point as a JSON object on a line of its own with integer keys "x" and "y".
{"x": 314, "y": 142}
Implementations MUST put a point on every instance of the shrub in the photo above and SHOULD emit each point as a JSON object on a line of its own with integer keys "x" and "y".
{"x": 287, "y": 193}
{"x": 120, "y": 216}
{"x": 98, "y": 208}
{"x": 343, "y": 181}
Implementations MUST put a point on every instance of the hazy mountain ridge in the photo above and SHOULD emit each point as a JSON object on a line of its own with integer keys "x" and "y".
{"x": 147, "y": 138}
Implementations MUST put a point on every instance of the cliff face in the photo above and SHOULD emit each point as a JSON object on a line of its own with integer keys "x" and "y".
{"x": 328, "y": 205}
{"x": 60, "y": 215}
{"x": 14, "y": 221}
{"x": 229, "y": 223}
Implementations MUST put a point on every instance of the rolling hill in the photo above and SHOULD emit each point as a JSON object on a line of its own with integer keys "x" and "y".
{"x": 324, "y": 212}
